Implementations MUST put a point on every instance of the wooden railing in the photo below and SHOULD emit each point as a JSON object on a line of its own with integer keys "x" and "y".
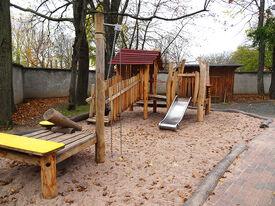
{"x": 120, "y": 95}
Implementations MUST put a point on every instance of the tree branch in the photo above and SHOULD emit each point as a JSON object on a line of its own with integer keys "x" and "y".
{"x": 42, "y": 15}
{"x": 150, "y": 17}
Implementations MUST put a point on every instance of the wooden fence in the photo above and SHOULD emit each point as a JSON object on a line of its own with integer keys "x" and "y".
{"x": 120, "y": 96}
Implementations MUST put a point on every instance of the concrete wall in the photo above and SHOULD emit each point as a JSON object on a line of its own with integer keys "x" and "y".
{"x": 39, "y": 83}
{"x": 17, "y": 79}
{"x": 246, "y": 82}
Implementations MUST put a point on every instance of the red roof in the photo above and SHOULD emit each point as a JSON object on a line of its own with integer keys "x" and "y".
{"x": 132, "y": 56}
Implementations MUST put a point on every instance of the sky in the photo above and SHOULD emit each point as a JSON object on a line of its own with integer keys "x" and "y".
{"x": 209, "y": 34}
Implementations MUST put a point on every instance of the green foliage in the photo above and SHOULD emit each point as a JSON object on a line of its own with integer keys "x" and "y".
{"x": 250, "y": 58}
{"x": 267, "y": 32}
{"x": 79, "y": 110}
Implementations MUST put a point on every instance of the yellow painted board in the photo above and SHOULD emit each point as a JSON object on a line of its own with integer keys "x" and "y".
{"x": 46, "y": 123}
{"x": 28, "y": 145}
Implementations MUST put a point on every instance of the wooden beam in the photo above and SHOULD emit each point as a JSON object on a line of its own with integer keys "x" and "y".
{"x": 155, "y": 85}
{"x": 91, "y": 113}
{"x": 168, "y": 85}
{"x": 173, "y": 87}
{"x": 186, "y": 75}
{"x": 141, "y": 69}
{"x": 197, "y": 86}
{"x": 146, "y": 87}
{"x": 122, "y": 91}
{"x": 208, "y": 102}
{"x": 100, "y": 91}
{"x": 180, "y": 82}
{"x": 48, "y": 176}
{"x": 19, "y": 156}
{"x": 201, "y": 90}
{"x": 131, "y": 108}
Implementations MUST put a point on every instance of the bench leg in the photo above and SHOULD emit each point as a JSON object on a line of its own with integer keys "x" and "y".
{"x": 48, "y": 176}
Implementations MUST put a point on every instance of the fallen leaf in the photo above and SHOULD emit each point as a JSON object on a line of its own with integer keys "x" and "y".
{"x": 175, "y": 164}
{"x": 221, "y": 180}
{"x": 120, "y": 158}
{"x": 142, "y": 179}
{"x": 187, "y": 186}
{"x": 69, "y": 201}
{"x": 127, "y": 173}
{"x": 70, "y": 189}
{"x": 75, "y": 181}
{"x": 181, "y": 195}
{"x": 193, "y": 175}
{"x": 234, "y": 163}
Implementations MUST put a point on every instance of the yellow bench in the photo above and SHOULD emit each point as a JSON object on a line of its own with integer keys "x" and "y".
{"x": 37, "y": 152}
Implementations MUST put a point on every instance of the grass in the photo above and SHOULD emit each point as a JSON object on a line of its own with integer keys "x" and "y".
{"x": 71, "y": 113}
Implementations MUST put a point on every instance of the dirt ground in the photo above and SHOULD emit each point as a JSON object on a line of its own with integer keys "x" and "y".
{"x": 158, "y": 167}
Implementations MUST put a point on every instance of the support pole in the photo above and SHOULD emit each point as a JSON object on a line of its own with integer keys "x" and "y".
{"x": 146, "y": 88}
{"x": 48, "y": 176}
{"x": 155, "y": 86}
{"x": 169, "y": 85}
{"x": 201, "y": 90}
{"x": 180, "y": 82}
{"x": 208, "y": 101}
{"x": 100, "y": 90}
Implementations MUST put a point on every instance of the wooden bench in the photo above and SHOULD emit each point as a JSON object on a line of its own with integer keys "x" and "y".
{"x": 45, "y": 149}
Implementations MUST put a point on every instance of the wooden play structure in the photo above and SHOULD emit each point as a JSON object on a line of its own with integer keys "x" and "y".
{"x": 131, "y": 82}
{"x": 45, "y": 148}
{"x": 136, "y": 79}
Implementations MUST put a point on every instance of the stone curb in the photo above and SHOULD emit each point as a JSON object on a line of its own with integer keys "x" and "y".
{"x": 211, "y": 180}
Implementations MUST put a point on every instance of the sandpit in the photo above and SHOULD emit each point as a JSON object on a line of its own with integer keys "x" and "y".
{"x": 159, "y": 167}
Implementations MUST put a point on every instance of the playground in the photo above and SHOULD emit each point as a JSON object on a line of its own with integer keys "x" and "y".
{"x": 159, "y": 167}
{"x": 143, "y": 162}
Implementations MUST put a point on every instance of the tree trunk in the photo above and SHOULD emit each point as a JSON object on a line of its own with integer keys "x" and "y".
{"x": 83, "y": 72}
{"x": 79, "y": 11}
{"x": 6, "y": 94}
{"x": 260, "y": 78}
{"x": 272, "y": 85}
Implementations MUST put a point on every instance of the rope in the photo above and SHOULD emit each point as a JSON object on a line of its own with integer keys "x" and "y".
{"x": 108, "y": 76}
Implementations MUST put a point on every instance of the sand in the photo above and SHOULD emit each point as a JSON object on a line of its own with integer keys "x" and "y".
{"x": 159, "y": 167}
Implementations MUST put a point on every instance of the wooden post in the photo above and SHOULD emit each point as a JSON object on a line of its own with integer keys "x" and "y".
{"x": 145, "y": 94}
{"x": 92, "y": 102}
{"x": 168, "y": 86}
{"x": 155, "y": 85}
{"x": 202, "y": 90}
{"x": 196, "y": 89}
{"x": 48, "y": 176}
{"x": 180, "y": 82}
{"x": 141, "y": 82}
{"x": 100, "y": 90}
{"x": 131, "y": 91}
{"x": 173, "y": 87}
{"x": 208, "y": 102}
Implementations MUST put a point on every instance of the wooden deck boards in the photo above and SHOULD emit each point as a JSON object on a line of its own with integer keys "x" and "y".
{"x": 74, "y": 142}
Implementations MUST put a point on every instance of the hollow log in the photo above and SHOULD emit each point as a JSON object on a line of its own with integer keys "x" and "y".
{"x": 58, "y": 119}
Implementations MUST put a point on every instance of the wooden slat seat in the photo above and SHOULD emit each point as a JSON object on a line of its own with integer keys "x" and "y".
{"x": 45, "y": 149}
{"x": 28, "y": 145}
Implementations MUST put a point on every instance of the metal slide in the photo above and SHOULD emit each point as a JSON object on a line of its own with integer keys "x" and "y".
{"x": 174, "y": 114}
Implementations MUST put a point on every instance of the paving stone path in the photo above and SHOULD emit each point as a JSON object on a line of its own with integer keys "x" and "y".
{"x": 250, "y": 181}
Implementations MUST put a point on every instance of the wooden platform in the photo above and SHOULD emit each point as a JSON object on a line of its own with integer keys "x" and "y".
{"x": 107, "y": 120}
{"x": 44, "y": 148}
{"x": 74, "y": 142}
{"x": 157, "y": 97}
